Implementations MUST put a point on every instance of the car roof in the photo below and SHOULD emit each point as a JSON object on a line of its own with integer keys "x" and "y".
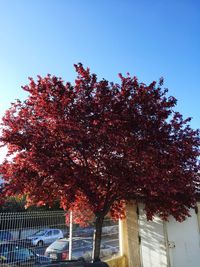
{"x": 5, "y": 232}
{"x": 47, "y": 229}
{"x": 74, "y": 239}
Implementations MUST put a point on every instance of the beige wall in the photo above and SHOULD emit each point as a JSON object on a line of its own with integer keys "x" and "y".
{"x": 129, "y": 236}
{"x": 120, "y": 261}
{"x": 129, "y": 240}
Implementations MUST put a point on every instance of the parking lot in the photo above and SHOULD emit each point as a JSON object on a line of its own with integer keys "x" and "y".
{"x": 80, "y": 247}
{"x": 47, "y": 233}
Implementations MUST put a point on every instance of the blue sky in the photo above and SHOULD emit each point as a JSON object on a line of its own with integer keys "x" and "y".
{"x": 148, "y": 38}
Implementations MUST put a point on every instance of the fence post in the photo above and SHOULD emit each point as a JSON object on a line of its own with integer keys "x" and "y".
{"x": 70, "y": 234}
{"x": 20, "y": 234}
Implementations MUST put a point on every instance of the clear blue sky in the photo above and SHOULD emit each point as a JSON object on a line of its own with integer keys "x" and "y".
{"x": 148, "y": 38}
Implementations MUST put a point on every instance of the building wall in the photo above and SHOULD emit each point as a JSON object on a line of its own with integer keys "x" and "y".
{"x": 170, "y": 244}
{"x": 184, "y": 242}
{"x": 118, "y": 262}
{"x": 129, "y": 236}
{"x": 161, "y": 244}
{"x": 153, "y": 241}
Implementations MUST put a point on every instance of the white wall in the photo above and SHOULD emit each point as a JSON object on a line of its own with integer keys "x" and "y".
{"x": 153, "y": 243}
{"x": 169, "y": 244}
{"x": 185, "y": 240}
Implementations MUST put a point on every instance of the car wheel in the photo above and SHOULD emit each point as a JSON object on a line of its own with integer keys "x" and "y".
{"x": 40, "y": 243}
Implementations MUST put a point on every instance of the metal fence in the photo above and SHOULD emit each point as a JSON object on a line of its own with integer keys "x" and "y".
{"x": 43, "y": 235}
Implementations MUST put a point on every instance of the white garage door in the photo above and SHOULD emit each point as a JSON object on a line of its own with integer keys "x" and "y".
{"x": 169, "y": 244}
{"x": 184, "y": 242}
{"x": 153, "y": 242}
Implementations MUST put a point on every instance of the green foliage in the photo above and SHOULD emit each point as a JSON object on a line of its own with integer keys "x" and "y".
{"x": 18, "y": 204}
{"x": 13, "y": 204}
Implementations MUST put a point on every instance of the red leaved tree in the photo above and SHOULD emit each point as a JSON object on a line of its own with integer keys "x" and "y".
{"x": 98, "y": 144}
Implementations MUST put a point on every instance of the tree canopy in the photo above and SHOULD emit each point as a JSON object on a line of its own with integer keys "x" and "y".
{"x": 98, "y": 144}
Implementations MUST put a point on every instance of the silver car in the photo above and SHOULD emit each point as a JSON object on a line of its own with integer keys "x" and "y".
{"x": 45, "y": 237}
{"x": 81, "y": 248}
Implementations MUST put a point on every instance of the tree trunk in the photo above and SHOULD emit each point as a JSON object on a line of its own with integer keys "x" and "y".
{"x": 97, "y": 238}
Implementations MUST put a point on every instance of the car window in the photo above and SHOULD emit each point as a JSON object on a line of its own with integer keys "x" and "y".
{"x": 60, "y": 245}
{"x": 14, "y": 252}
{"x": 3, "y": 250}
{"x": 40, "y": 232}
{"x": 49, "y": 233}
{"x": 5, "y": 235}
{"x": 78, "y": 244}
{"x": 56, "y": 232}
{"x": 20, "y": 254}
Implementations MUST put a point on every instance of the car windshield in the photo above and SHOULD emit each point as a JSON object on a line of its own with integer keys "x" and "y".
{"x": 60, "y": 245}
{"x": 3, "y": 249}
{"x": 4, "y": 234}
{"x": 40, "y": 232}
{"x": 11, "y": 248}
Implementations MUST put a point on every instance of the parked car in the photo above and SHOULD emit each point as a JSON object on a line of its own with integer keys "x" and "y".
{"x": 15, "y": 254}
{"x": 59, "y": 250}
{"x": 81, "y": 249}
{"x": 44, "y": 237}
{"x": 84, "y": 232}
{"x": 5, "y": 235}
